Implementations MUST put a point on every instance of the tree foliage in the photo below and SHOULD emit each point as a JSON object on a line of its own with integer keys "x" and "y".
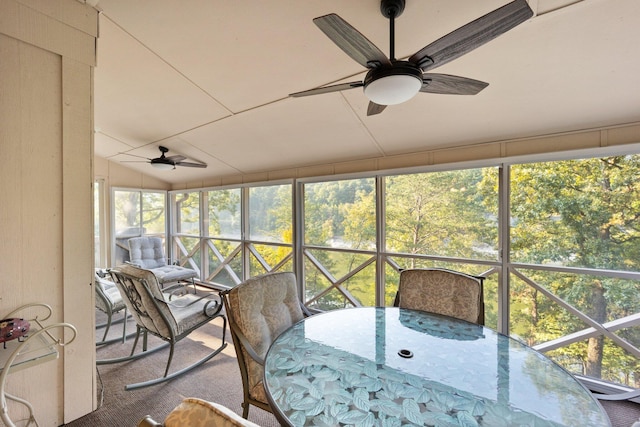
{"x": 578, "y": 213}
{"x": 440, "y": 214}
{"x": 340, "y": 214}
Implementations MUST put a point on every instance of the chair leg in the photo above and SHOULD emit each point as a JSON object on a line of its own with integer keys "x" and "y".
{"x": 245, "y": 410}
{"x": 135, "y": 342}
{"x": 122, "y": 339}
{"x": 166, "y": 371}
{"x": 177, "y": 373}
{"x": 106, "y": 330}
{"x": 124, "y": 326}
{"x": 132, "y": 355}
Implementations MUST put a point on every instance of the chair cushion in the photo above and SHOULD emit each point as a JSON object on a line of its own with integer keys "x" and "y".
{"x": 173, "y": 273}
{"x": 442, "y": 292}
{"x": 258, "y": 392}
{"x": 189, "y": 311}
{"x": 263, "y": 307}
{"x": 114, "y": 302}
{"x": 146, "y": 252}
{"x": 193, "y": 412}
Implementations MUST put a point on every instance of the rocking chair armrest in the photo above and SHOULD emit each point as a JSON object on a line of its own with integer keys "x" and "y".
{"x": 135, "y": 264}
{"x": 246, "y": 344}
{"x": 211, "y": 308}
{"x": 177, "y": 290}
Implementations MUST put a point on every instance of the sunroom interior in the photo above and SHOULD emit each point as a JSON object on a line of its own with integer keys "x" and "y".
{"x": 211, "y": 82}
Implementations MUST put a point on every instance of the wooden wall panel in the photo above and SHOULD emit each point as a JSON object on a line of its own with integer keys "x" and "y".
{"x": 30, "y": 25}
{"x": 10, "y": 149}
{"x": 72, "y": 13}
{"x": 32, "y": 200}
{"x": 41, "y": 175}
{"x": 45, "y": 213}
{"x": 77, "y": 235}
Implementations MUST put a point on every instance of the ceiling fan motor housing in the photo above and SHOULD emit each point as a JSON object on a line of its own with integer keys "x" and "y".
{"x": 162, "y": 161}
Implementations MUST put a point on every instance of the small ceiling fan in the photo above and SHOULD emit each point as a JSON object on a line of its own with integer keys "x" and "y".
{"x": 391, "y": 81}
{"x": 170, "y": 162}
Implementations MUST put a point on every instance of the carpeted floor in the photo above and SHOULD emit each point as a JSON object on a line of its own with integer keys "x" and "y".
{"x": 218, "y": 380}
{"x": 622, "y": 414}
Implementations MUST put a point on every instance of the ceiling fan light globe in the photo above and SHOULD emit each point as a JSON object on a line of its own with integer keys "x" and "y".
{"x": 162, "y": 166}
{"x": 393, "y": 90}
{"x": 394, "y": 84}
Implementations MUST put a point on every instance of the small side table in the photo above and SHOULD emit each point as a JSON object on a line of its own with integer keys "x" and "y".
{"x": 39, "y": 346}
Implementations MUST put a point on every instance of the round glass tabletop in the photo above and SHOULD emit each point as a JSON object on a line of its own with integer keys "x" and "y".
{"x": 390, "y": 367}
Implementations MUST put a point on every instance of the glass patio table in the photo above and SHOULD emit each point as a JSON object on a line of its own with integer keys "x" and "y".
{"x": 390, "y": 366}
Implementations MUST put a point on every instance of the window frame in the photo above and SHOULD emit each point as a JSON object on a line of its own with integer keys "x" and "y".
{"x": 503, "y": 267}
{"x": 141, "y": 191}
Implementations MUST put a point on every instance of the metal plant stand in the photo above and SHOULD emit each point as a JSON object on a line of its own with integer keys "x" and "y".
{"x": 40, "y": 345}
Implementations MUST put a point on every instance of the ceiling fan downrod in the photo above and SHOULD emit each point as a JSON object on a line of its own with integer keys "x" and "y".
{"x": 392, "y": 9}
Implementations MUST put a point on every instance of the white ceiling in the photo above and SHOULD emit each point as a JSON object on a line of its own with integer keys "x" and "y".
{"x": 210, "y": 79}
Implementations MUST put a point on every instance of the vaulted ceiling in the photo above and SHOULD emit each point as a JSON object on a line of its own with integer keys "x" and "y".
{"x": 209, "y": 79}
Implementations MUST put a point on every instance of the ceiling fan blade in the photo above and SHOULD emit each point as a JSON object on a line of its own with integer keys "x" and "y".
{"x": 327, "y": 89}
{"x": 374, "y": 108}
{"x": 191, "y": 165}
{"x": 472, "y": 35}
{"x": 451, "y": 85}
{"x": 351, "y": 41}
{"x": 176, "y": 158}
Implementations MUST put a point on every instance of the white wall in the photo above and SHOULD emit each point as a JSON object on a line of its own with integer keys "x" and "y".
{"x": 47, "y": 55}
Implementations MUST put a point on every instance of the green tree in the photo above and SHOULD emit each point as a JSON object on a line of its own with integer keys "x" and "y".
{"x": 188, "y": 212}
{"x": 440, "y": 213}
{"x": 271, "y": 220}
{"x": 339, "y": 214}
{"x": 446, "y": 214}
{"x": 581, "y": 213}
{"x": 223, "y": 208}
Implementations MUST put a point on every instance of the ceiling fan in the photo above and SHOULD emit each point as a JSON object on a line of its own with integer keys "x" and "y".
{"x": 390, "y": 81}
{"x": 170, "y": 162}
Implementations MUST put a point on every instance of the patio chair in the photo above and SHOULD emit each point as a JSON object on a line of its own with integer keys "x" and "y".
{"x": 193, "y": 412}
{"x": 147, "y": 252}
{"x": 168, "y": 316}
{"x": 442, "y": 291}
{"x": 259, "y": 310}
{"x": 110, "y": 302}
